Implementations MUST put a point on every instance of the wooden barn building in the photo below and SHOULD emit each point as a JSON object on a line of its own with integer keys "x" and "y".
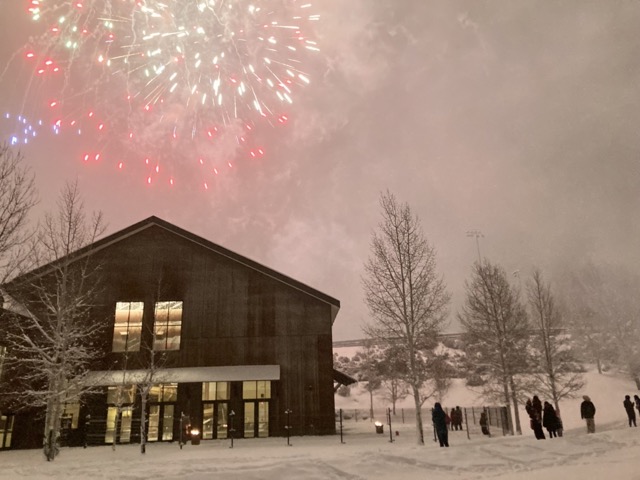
{"x": 244, "y": 348}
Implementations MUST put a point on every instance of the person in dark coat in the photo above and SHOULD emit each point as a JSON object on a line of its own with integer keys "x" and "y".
{"x": 535, "y": 418}
{"x": 588, "y": 412}
{"x": 550, "y": 419}
{"x": 629, "y": 407}
{"x": 458, "y": 411}
{"x": 637, "y": 399}
{"x": 484, "y": 424}
{"x": 529, "y": 407}
{"x": 537, "y": 406}
{"x": 439, "y": 418}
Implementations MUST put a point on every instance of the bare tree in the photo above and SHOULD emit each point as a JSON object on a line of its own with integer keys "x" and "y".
{"x": 496, "y": 331}
{"x": 559, "y": 375}
{"x": 50, "y": 342}
{"x": 17, "y": 196}
{"x": 153, "y": 361}
{"x": 406, "y": 297}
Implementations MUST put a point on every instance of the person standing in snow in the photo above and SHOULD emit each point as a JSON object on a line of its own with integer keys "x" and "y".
{"x": 550, "y": 419}
{"x": 629, "y": 407}
{"x": 535, "y": 418}
{"x": 458, "y": 418}
{"x": 439, "y": 418}
{"x": 484, "y": 424}
{"x": 537, "y": 406}
{"x": 588, "y": 412}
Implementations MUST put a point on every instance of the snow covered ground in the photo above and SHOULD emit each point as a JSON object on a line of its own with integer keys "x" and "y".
{"x": 611, "y": 453}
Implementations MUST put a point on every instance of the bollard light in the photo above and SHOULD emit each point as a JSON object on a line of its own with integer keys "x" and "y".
{"x": 379, "y": 427}
{"x": 195, "y": 436}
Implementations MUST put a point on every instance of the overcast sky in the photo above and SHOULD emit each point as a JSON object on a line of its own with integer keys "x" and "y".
{"x": 520, "y": 119}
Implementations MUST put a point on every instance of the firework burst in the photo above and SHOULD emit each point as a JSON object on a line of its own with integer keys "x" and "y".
{"x": 179, "y": 81}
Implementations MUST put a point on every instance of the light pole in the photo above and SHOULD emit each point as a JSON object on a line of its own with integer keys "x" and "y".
{"x": 477, "y": 234}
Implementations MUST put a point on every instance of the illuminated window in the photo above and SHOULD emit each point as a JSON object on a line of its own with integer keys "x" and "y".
{"x": 124, "y": 424}
{"x": 127, "y": 328}
{"x": 167, "y": 392}
{"x": 121, "y": 394}
{"x": 256, "y": 395}
{"x": 121, "y": 398}
{"x": 215, "y": 409}
{"x": 167, "y": 327}
{"x": 256, "y": 389}
{"x": 6, "y": 430}
{"x": 215, "y": 391}
{"x": 71, "y": 413}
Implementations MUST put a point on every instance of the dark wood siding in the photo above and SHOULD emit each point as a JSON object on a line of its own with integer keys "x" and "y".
{"x": 233, "y": 315}
{"x": 235, "y": 312}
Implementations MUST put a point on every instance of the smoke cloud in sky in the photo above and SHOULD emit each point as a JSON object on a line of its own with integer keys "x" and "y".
{"x": 516, "y": 118}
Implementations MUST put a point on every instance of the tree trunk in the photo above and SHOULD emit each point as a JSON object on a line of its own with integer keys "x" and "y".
{"x": 419, "y": 429}
{"x": 116, "y": 428}
{"x": 371, "y": 404}
{"x": 514, "y": 400}
{"x": 143, "y": 424}
{"x": 52, "y": 424}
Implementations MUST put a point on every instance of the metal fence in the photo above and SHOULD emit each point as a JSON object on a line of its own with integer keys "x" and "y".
{"x": 499, "y": 418}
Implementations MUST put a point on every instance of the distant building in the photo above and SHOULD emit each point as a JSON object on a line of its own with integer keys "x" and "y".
{"x": 237, "y": 336}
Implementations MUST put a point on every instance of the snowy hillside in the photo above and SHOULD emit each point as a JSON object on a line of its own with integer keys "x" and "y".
{"x": 607, "y": 391}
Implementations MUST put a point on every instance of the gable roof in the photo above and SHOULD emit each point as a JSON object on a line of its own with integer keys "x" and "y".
{"x": 154, "y": 221}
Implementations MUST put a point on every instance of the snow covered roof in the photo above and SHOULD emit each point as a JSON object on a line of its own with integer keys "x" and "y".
{"x": 184, "y": 375}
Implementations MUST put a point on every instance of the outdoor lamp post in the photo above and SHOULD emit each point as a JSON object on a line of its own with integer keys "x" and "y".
{"x": 231, "y": 429}
{"x": 288, "y": 425}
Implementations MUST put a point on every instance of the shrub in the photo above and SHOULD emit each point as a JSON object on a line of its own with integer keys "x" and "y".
{"x": 475, "y": 380}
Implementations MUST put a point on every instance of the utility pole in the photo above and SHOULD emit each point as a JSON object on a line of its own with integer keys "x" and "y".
{"x": 477, "y": 234}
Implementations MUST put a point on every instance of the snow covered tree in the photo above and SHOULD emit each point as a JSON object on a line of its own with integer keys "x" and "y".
{"x": 585, "y": 322}
{"x": 496, "y": 333}
{"x": 50, "y": 335}
{"x": 17, "y": 196}
{"x": 558, "y": 374}
{"x": 605, "y": 312}
{"x": 369, "y": 372}
{"x": 406, "y": 297}
{"x": 392, "y": 372}
{"x": 154, "y": 359}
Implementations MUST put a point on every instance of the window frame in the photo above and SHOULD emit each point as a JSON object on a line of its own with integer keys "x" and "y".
{"x": 165, "y": 321}
{"x": 132, "y": 330}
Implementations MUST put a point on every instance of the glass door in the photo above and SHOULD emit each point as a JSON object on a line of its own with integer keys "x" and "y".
{"x": 256, "y": 419}
{"x": 214, "y": 420}
{"x": 6, "y": 429}
{"x": 160, "y": 422}
{"x": 123, "y": 423}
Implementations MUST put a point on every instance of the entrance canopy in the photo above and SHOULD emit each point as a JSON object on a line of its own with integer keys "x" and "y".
{"x": 183, "y": 375}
